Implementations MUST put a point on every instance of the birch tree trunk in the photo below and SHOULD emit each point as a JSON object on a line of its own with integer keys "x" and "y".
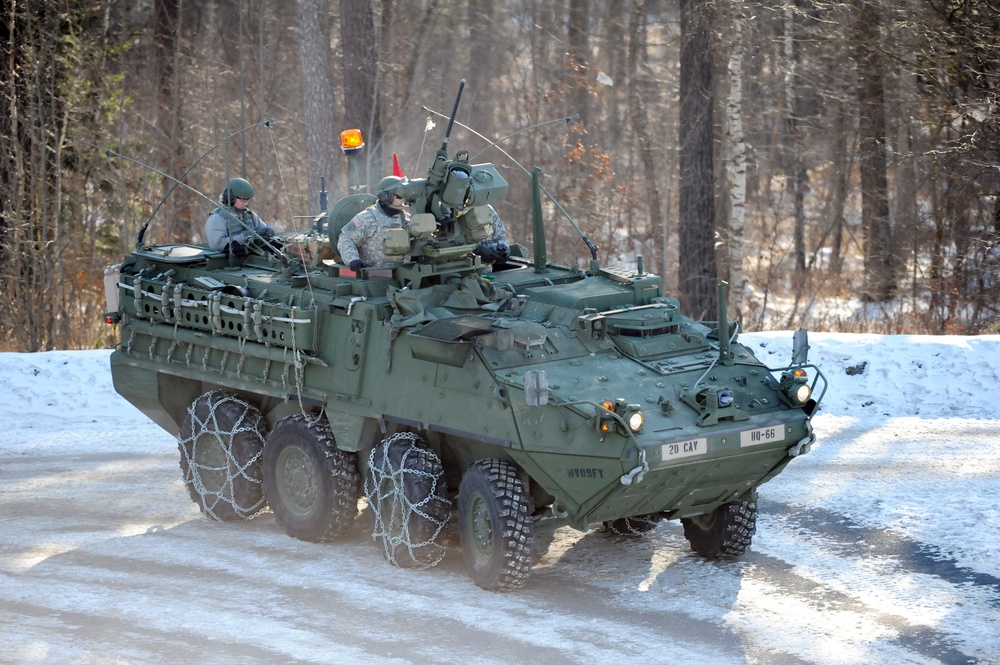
{"x": 736, "y": 168}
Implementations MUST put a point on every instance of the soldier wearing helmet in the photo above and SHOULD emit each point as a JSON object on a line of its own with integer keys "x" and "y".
{"x": 229, "y": 226}
{"x": 360, "y": 242}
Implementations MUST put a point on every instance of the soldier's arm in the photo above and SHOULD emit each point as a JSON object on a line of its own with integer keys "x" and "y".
{"x": 352, "y": 236}
{"x": 217, "y": 233}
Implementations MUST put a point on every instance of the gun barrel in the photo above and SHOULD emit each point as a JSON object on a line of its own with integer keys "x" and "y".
{"x": 454, "y": 112}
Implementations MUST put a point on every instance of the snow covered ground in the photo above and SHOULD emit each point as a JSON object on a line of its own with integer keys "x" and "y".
{"x": 880, "y": 546}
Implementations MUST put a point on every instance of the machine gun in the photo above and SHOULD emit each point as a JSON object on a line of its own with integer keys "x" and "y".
{"x": 448, "y": 214}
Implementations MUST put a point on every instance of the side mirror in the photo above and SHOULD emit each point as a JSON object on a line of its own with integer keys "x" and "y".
{"x": 800, "y": 347}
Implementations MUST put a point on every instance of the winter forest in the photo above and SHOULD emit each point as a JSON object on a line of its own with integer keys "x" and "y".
{"x": 836, "y": 161}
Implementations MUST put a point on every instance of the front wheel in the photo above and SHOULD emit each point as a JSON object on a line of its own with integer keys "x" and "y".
{"x": 311, "y": 485}
{"x": 726, "y": 532}
{"x": 220, "y": 443}
{"x": 494, "y": 525}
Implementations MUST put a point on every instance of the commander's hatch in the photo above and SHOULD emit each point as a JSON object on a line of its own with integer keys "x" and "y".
{"x": 178, "y": 253}
{"x": 449, "y": 340}
{"x": 655, "y": 330}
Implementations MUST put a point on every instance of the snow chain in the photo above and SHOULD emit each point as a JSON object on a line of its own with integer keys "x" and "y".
{"x": 389, "y": 493}
{"x": 233, "y": 469}
{"x": 635, "y": 527}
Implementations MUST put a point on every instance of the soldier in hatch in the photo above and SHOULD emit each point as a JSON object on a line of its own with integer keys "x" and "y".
{"x": 360, "y": 243}
{"x": 228, "y": 227}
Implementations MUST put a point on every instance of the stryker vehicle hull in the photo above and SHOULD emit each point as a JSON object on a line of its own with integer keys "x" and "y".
{"x": 507, "y": 400}
{"x": 452, "y": 370}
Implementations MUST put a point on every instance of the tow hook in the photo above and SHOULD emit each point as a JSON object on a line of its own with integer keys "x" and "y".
{"x": 802, "y": 447}
{"x": 636, "y": 474}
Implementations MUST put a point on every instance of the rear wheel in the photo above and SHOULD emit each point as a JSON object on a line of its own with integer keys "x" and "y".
{"x": 726, "y": 532}
{"x": 220, "y": 442}
{"x": 406, "y": 493}
{"x": 311, "y": 485}
{"x": 494, "y": 524}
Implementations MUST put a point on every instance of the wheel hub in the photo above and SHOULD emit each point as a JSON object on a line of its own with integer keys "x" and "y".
{"x": 481, "y": 527}
{"x": 297, "y": 480}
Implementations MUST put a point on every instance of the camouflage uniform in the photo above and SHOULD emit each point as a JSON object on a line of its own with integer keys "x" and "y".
{"x": 495, "y": 248}
{"x": 361, "y": 238}
{"x": 226, "y": 225}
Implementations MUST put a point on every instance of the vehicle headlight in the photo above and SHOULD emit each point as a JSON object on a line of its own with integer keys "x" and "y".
{"x": 795, "y": 386}
{"x": 636, "y": 421}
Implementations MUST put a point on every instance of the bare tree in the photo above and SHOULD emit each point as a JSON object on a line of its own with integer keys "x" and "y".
{"x": 317, "y": 90}
{"x": 169, "y": 110}
{"x": 639, "y": 121}
{"x": 362, "y": 85}
{"x": 485, "y": 58}
{"x": 49, "y": 255}
{"x": 880, "y": 278}
{"x": 794, "y": 161}
{"x": 697, "y": 267}
{"x": 578, "y": 61}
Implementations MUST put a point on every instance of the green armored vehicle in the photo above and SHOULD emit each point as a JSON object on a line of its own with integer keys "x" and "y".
{"x": 510, "y": 400}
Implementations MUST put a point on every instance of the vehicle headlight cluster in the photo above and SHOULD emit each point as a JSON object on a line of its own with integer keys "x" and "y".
{"x": 630, "y": 413}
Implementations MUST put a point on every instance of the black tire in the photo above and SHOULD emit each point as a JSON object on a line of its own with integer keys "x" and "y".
{"x": 311, "y": 485}
{"x": 220, "y": 442}
{"x": 494, "y": 525}
{"x": 407, "y": 495}
{"x": 726, "y": 532}
{"x": 632, "y": 527}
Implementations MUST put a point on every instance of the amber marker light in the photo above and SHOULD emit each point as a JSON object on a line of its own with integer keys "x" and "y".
{"x": 351, "y": 141}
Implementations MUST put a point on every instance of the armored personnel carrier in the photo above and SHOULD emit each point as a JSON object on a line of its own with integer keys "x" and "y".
{"x": 510, "y": 400}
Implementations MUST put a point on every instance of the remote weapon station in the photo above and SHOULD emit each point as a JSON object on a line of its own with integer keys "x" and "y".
{"x": 506, "y": 402}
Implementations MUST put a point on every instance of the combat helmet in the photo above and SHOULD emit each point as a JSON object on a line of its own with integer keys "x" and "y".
{"x": 387, "y": 187}
{"x": 237, "y": 188}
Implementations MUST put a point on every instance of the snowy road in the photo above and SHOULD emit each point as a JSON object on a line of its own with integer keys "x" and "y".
{"x": 880, "y": 546}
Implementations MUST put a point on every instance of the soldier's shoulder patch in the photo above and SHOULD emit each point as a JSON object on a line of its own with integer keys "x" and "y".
{"x": 356, "y": 223}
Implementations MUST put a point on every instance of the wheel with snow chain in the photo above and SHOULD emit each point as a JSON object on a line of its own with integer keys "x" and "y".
{"x": 407, "y": 495}
{"x": 311, "y": 485}
{"x": 632, "y": 527}
{"x": 494, "y": 524}
{"x": 726, "y": 532}
{"x": 220, "y": 443}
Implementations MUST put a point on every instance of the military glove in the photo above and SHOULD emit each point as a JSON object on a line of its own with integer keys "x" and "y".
{"x": 494, "y": 252}
{"x": 356, "y": 265}
{"x": 503, "y": 253}
{"x": 267, "y": 233}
